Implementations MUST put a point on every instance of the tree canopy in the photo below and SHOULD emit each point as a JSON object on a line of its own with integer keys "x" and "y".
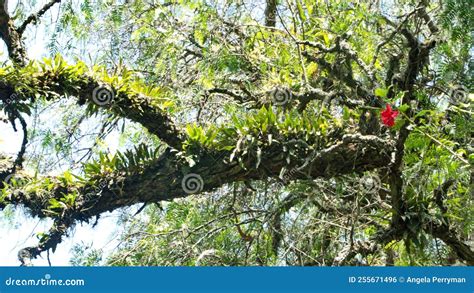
{"x": 269, "y": 132}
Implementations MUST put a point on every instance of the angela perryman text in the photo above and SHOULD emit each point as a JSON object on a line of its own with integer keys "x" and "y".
{"x": 403, "y": 279}
{"x": 439, "y": 280}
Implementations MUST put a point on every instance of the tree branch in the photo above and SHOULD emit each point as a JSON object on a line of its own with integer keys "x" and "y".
{"x": 270, "y": 13}
{"x": 11, "y": 37}
{"x": 87, "y": 89}
{"x": 35, "y": 16}
{"x": 165, "y": 179}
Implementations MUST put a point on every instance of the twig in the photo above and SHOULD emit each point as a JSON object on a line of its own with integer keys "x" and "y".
{"x": 35, "y": 16}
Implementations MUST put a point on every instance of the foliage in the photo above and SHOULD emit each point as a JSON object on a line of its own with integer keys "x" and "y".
{"x": 247, "y": 94}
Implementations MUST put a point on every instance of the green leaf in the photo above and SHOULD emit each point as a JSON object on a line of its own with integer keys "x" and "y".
{"x": 381, "y": 92}
{"x": 403, "y": 108}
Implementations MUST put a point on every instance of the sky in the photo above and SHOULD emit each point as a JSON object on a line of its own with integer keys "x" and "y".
{"x": 19, "y": 231}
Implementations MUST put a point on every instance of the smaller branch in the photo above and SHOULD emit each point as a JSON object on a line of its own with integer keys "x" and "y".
{"x": 229, "y": 93}
{"x": 35, "y": 16}
{"x": 336, "y": 72}
{"x": 314, "y": 94}
{"x": 11, "y": 37}
{"x": 429, "y": 22}
{"x": 270, "y": 13}
{"x": 320, "y": 47}
{"x": 443, "y": 232}
{"x": 49, "y": 241}
{"x": 350, "y": 251}
{"x": 20, "y": 157}
{"x": 440, "y": 195}
{"x": 342, "y": 47}
{"x": 353, "y": 55}
{"x": 391, "y": 36}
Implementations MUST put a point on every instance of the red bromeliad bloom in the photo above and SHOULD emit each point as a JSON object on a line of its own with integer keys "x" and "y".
{"x": 388, "y": 116}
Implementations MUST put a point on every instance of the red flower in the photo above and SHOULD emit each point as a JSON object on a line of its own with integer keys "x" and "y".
{"x": 388, "y": 116}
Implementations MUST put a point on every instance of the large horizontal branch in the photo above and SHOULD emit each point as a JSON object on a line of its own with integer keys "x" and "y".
{"x": 161, "y": 180}
{"x": 88, "y": 89}
{"x": 170, "y": 177}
